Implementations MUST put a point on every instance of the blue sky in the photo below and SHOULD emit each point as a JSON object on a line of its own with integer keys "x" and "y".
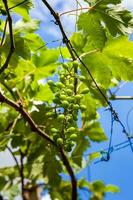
{"x": 119, "y": 169}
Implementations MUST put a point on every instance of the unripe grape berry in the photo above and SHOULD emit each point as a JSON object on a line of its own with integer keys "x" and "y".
{"x": 78, "y": 96}
{"x": 59, "y": 85}
{"x": 83, "y": 107}
{"x": 54, "y": 130}
{"x": 70, "y": 86}
{"x": 50, "y": 82}
{"x": 73, "y": 137}
{"x": 61, "y": 117}
{"x": 60, "y": 141}
{"x": 75, "y": 63}
{"x": 71, "y": 130}
{"x": 63, "y": 97}
{"x": 65, "y": 103}
{"x": 69, "y": 91}
{"x": 76, "y": 106}
{"x": 85, "y": 91}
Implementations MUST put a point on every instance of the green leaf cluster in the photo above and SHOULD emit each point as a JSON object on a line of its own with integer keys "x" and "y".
{"x": 59, "y": 95}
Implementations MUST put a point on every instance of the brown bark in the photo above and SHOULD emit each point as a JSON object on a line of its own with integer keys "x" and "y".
{"x": 32, "y": 193}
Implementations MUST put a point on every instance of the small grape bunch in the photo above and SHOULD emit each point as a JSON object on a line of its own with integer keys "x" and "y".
{"x": 67, "y": 104}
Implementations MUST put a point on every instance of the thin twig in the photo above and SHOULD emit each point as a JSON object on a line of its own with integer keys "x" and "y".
{"x": 22, "y": 173}
{"x": 47, "y": 44}
{"x": 9, "y": 90}
{"x": 58, "y": 22}
{"x": 75, "y": 10}
{"x": 18, "y": 107}
{"x": 15, "y": 159}
{"x": 12, "y": 45}
{"x": 4, "y": 32}
{"x": 35, "y": 128}
{"x": 65, "y": 39}
{"x": 68, "y": 44}
{"x": 127, "y": 119}
{"x": 71, "y": 173}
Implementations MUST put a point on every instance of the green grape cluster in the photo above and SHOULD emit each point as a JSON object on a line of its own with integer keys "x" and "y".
{"x": 66, "y": 104}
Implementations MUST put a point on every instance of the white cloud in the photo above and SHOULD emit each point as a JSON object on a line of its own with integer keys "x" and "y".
{"x": 128, "y": 4}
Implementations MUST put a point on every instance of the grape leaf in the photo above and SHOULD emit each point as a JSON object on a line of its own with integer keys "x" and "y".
{"x": 91, "y": 25}
{"x": 95, "y": 132}
{"x": 20, "y": 8}
{"x": 113, "y": 60}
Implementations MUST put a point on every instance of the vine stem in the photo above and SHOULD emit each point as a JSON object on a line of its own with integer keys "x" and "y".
{"x": 22, "y": 173}
{"x": 15, "y": 159}
{"x": 12, "y": 45}
{"x": 19, "y": 108}
{"x": 20, "y": 168}
{"x": 65, "y": 38}
{"x": 71, "y": 173}
{"x": 68, "y": 44}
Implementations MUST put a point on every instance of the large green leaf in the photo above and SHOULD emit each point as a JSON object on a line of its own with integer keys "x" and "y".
{"x": 95, "y": 132}
{"x": 44, "y": 94}
{"x": 117, "y": 20}
{"x": 91, "y": 25}
{"x": 35, "y": 42}
{"x": 98, "y": 68}
{"x": 46, "y": 57}
{"x": 113, "y": 60}
{"x": 22, "y": 48}
{"x": 44, "y": 65}
{"x": 104, "y": 16}
{"x": 20, "y": 8}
